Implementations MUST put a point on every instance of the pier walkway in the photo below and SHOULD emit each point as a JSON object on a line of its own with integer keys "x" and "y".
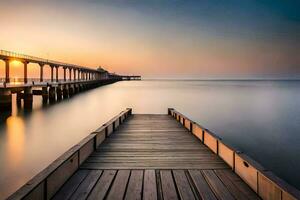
{"x": 154, "y": 157}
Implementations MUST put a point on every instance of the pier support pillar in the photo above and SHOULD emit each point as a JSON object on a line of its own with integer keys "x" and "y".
{"x": 52, "y": 95}
{"x": 70, "y": 74}
{"x": 65, "y": 74}
{"x": 56, "y": 71}
{"x": 25, "y": 71}
{"x": 59, "y": 93}
{"x": 80, "y": 87}
{"x": 28, "y": 98}
{"x": 51, "y": 73}
{"x": 45, "y": 95}
{"x": 5, "y": 100}
{"x": 71, "y": 90}
{"x": 7, "y": 80}
{"x": 76, "y": 88}
{"x": 74, "y": 74}
{"x": 19, "y": 99}
{"x": 65, "y": 91}
{"x": 41, "y": 72}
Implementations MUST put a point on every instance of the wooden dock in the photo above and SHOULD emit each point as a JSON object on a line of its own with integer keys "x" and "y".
{"x": 148, "y": 157}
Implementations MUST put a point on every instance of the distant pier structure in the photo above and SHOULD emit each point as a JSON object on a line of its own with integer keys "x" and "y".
{"x": 79, "y": 78}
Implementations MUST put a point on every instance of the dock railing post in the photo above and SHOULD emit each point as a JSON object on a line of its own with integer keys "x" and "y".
{"x": 169, "y": 111}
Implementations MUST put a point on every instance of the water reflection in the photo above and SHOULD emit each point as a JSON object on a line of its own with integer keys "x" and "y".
{"x": 261, "y": 118}
{"x": 15, "y": 141}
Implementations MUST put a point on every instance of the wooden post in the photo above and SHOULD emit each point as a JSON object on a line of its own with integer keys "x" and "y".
{"x": 7, "y": 71}
{"x": 78, "y": 74}
{"x": 65, "y": 74}
{"x": 41, "y": 72}
{"x": 51, "y": 73}
{"x": 25, "y": 71}
{"x": 70, "y": 73}
{"x": 74, "y": 74}
{"x": 57, "y": 73}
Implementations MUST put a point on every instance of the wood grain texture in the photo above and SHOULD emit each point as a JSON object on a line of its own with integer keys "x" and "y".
{"x": 154, "y": 157}
{"x": 152, "y": 142}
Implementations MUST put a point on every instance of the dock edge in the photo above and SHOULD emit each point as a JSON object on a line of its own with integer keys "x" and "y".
{"x": 266, "y": 184}
{"x": 46, "y": 183}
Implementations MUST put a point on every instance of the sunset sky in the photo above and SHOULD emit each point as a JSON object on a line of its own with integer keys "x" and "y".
{"x": 158, "y": 38}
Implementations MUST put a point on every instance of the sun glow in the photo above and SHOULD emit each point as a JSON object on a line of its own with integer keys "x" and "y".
{"x": 16, "y": 62}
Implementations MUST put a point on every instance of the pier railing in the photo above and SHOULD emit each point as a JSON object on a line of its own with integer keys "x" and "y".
{"x": 36, "y": 59}
{"x": 266, "y": 184}
{"x": 48, "y": 182}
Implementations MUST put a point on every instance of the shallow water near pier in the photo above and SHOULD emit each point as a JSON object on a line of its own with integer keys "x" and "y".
{"x": 261, "y": 118}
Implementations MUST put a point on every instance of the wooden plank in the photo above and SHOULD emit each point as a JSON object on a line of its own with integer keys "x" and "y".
{"x": 85, "y": 151}
{"x": 150, "y": 165}
{"x": 216, "y": 184}
{"x": 86, "y": 185}
{"x": 226, "y": 153}
{"x": 150, "y": 189}
{"x": 101, "y": 188}
{"x": 37, "y": 194}
{"x": 267, "y": 190}
{"x": 134, "y": 189}
{"x": 236, "y": 184}
{"x": 71, "y": 185}
{"x": 211, "y": 141}
{"x": 184, "y": 188}
{"x": 246, "y": 170}
{"x": 118, "y": 188}
{"x": 61, "y": 175}
{"x": 168, "y": 186}
{"x": 201, "y": 185}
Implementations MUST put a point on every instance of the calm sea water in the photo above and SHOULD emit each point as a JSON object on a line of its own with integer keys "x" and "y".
{"x": 261, "y": 118}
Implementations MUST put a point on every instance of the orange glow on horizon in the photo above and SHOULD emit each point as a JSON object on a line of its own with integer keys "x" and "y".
{"x": 127, "y": 42}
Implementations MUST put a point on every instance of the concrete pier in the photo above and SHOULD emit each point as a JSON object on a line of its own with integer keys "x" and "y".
{"x": 80, "y": 78}
{"x": 52, "y": 94}
{"x": 5, "y": 100}
{"x": 71, "y": 90}
{"x": 28, "y": 98}
{"x": 76, "y": 87}
{"x": 45, "y": 94}
{"x": 65, "y": 91}
{"x": 19, "y": 99}
{"x": 59, "y": 93}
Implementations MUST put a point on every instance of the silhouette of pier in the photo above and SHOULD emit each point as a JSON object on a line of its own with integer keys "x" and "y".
{"x": 80, "y": 78}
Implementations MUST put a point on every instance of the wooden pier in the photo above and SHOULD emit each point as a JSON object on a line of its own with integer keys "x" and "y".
{"x": 144, "y": 156}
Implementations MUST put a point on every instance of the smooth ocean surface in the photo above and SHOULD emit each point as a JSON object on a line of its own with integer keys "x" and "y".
{"x": 261, "y": 118}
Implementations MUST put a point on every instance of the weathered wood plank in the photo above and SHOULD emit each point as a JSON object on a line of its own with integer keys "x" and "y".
{"x": 238, "y": 188}
{"x": 101, "y": 188}
{"x": 118, "y": 188}
{"x": 217, "y": 185}
{"x": 71, "y": 185}
{"x": 150, "y": 189}
{"x": 153, "y": 166}
{"x": 86, "y": 185}
{"x": 202, "y": 186}
{"x": 168, "y": 186}
{"x": 184, "y": 188}
{"x": 134, "y": 189}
